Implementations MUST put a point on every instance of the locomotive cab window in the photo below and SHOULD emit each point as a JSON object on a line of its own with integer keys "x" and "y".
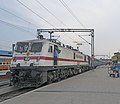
{"x": 36, "y": 47}
{"x": 22, "y": 47}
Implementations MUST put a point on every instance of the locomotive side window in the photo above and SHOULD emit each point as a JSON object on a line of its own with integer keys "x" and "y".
{"x": 85, "y": 58}
{"x": 74, "y": 55}
{"x": 36, "y": 47}
{"x": 50, "y": 49}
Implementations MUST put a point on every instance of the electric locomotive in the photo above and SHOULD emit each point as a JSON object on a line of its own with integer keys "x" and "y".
{"x": 40, "y": 61}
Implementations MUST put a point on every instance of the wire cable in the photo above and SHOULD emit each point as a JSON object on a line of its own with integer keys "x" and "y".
{"x": 50, "y": 12}
{"x": 84, "y": 39}
{"x": 18, "y": 17}
{"x": 15, "y": 26}
{"x": 34, "y": 13}
{"x": 52, "y": 15}
{"x": 37, "y": 14}
{"x": 71, "y": 12}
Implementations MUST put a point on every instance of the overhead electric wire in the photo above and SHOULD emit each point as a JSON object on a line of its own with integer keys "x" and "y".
{"x": 52, "y": 15}
{"x": 65, "y": 5}
{"x": 15, "y": 26}
{"x": 38, "y": 14}
{"x": 49, "y": 12}
{"x": 35, "y": 13}
{"x": 22, "y": 18}
{"x": 84, "y": 39}
{"x": 56, "y": 17}
{"x": 18, "y": 27}
{"x": 18, "y": 17}
{"x": 71, "y": 12}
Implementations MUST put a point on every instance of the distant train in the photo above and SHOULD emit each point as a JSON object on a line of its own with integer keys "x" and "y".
{"x": 5, "y": 62}
{"x": 99, "y": 62}
{"x": 44, "y": 61}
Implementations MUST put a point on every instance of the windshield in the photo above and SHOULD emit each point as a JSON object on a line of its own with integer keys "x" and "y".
{"x": 36, "y": 47}
{"x": 22, "y": 47}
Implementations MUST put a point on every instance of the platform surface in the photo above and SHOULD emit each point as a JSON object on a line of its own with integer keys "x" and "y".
{"x": 93, "y": 87}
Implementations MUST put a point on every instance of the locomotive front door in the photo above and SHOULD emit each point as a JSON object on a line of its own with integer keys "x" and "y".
{"x": 55, "y": 55}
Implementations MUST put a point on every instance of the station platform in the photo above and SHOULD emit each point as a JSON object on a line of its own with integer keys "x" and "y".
{"x": 92, "y": 87}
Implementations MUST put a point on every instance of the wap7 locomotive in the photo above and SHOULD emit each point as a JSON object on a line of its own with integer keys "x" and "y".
{"x": 44, "y": 61}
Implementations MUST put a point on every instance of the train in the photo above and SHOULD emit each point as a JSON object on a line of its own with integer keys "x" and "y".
{"x": 41, "y": 60}
{"x": 5, "y": 62}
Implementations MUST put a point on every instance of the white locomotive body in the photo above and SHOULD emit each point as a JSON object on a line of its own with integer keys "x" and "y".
{"x": 39, "y": 61}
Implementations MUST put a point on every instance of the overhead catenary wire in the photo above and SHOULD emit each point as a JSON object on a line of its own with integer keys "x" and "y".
{"x": 15, "y": 26}
{"x": 22, "y": 18}
{"x": 40, "y": 16}
{"x": 84, "y": 39}
{"x": 58, "y": 18}
{"x": 52, "y": 15}
{"x": 50, "y": 12}
{"x": 35, "y": 13}
{"x": 71, "y": 12}
{"x": 18, "y": 27}
{"x": 18, "y": 17}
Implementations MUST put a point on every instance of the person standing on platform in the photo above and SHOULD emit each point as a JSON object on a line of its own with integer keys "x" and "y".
{"x": 118, "y": 68}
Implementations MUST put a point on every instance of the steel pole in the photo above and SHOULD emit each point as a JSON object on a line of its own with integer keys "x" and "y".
{"x": 92, "y": 49}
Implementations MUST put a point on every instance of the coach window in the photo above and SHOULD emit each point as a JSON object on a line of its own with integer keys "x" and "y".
{"x": 50, "y": 49}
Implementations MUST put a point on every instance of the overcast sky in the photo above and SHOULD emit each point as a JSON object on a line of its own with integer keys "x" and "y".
{"x": 101, "y": 15}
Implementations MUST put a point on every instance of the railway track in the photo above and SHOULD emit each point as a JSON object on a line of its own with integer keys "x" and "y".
{"x": 3, "y": 83}
{"x": 8, "y": 92}
{"x": 14, "y": 93}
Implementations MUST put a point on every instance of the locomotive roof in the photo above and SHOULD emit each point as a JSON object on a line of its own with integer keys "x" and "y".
{"x": 46, "y": 40}
{"x": 35, "y": 40}
{"x": 40, "y": 40}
